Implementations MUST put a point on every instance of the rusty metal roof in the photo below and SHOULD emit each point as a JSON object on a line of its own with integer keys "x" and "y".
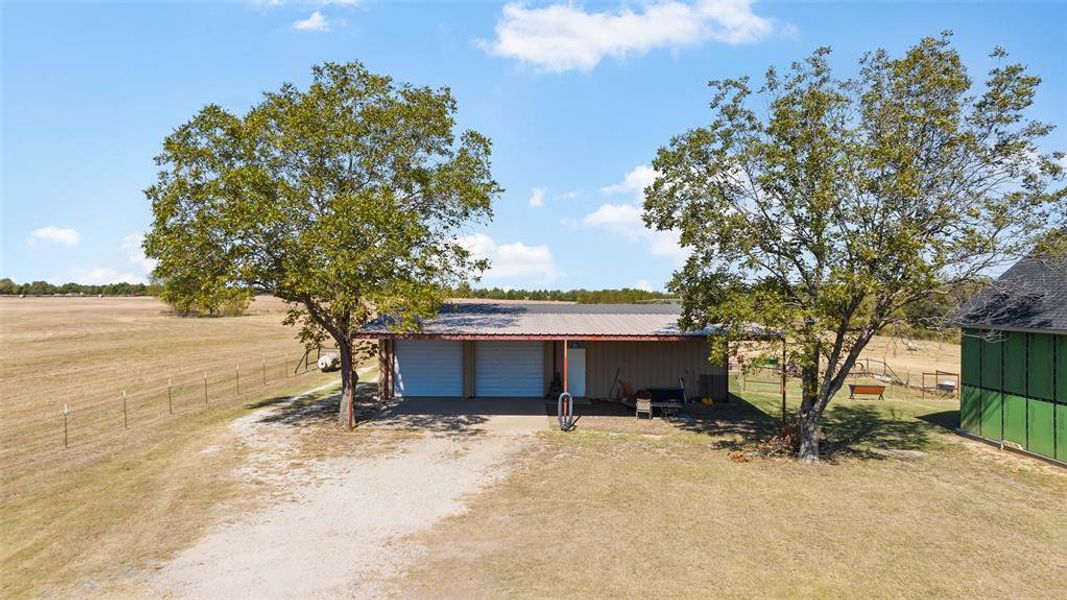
{"x": 545, "y": 320}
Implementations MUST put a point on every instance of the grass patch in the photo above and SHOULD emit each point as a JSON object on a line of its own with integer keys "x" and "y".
{"x": 653, "y": 509}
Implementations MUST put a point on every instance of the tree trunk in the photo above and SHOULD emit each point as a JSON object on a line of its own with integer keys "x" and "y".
{"x": 808, "y": 426}
{"x": 808, "y": 419}
{"x": 346, "y": 416}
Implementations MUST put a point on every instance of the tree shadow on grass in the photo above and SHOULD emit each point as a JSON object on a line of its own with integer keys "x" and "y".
{"x": 855, "y": 430}
{"x": 733, "y": 425}
{"x": 946, "y": 419}
{"x": 867, "y": 432}
{"x": 313, "y": 411}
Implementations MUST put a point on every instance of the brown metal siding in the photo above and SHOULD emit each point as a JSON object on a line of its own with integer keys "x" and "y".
{"x": 643, "y": 365}
{"x": 649, "y": 364}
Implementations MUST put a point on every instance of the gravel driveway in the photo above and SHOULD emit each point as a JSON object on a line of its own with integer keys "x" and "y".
{"x": 337, "y": 528}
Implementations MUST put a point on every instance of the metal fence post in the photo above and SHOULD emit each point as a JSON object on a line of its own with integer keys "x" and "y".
{"x": 125, "y": 418}
{"x": 170, "y": 397}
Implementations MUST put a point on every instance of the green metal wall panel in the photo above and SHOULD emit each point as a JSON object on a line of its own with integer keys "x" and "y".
{"x": 1061, "y": 432}
{"x": 1015, "y": 363}
{"x": 992, "y": 406}
{"x": 1061, "y": 368}
{"x": 970, "y": 358}
{"x": 1040, "y": 432}
{"x": 1015, "y": 419}
{"x": 1040, "y": 368}
{"x": 970, "y": 409}
{"x": 991, "y": 363}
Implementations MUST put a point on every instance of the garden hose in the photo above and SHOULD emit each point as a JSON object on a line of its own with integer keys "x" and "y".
{"x": 565, "y": 412}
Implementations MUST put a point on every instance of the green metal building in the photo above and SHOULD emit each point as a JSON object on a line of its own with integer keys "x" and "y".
{"x": 1014, "y": 360}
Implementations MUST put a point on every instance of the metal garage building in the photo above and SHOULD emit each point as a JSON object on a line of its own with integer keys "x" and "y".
{"x": 1014, "y": 356}
{"x": 507, "y": 349}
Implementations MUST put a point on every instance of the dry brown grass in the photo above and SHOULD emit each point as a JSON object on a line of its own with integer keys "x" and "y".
{"x": 118, "y": 498}
{"x": 84, "y": 352}
{"x": 927, "y": 356}
{"x": 903, "y": 509}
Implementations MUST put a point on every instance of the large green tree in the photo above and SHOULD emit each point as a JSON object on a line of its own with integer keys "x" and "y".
{"x": 344, "y": 199}
{"x": 823, "y": 207}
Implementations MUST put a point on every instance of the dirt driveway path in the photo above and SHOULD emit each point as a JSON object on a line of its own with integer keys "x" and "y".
{"x": 335, "y": 528}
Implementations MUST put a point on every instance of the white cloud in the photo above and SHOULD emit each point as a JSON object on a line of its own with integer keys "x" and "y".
{"x": 102, "y": 275}
{"x": 316, "y": 22}
{"x": 517, "y": 260}
{"x": 537, "y": 197}
{"x": 565, "y": 37}
{"x": 635, "y": 181}
{"x": 626, "y": 219}
{"x": 131, "y": 245}
{"x": 643, "y": 284}
{"x": 56, "y": 235}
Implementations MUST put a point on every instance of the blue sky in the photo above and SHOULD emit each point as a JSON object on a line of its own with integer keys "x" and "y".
{"x": 576, "y": 97}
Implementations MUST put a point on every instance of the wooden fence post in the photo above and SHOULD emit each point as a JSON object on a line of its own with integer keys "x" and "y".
{"x": 125, "y": 418}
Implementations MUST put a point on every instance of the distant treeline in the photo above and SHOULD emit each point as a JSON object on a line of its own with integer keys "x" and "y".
{"x": 617, "y": 296}
{"x": 43, "y": 288}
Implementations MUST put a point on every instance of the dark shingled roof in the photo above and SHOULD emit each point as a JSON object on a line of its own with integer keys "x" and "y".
{"x": 1030, "y": 295}
{"x": 547, "y": 319}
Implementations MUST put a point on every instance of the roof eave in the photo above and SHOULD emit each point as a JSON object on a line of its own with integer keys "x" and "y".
{"x": 987, "y": 326}
{"x": 679, "y": 337}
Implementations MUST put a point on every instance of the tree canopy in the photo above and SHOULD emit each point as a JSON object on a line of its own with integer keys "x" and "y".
{"x": 824, "y": 208}
{"x": 344, "y": 199}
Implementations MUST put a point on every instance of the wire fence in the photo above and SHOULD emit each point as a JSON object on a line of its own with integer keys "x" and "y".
{"x": 36, "y": 431}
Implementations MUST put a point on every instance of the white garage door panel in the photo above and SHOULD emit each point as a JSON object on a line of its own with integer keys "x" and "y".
{"x": 428, "y": 368}
{"x": 508, "y": 369}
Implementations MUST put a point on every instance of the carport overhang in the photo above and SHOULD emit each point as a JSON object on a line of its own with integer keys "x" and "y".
{"x": 526, "y": 337}
{"x": 386, "y": 346}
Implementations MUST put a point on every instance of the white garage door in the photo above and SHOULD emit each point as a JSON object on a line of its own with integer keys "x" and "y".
{"x": 428, "y": 368}
{"x": 508, "y": 369}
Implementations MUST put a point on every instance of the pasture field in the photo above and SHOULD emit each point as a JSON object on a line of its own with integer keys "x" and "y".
{"x": 59, "y": 502}
{"x": 83, "y": 353}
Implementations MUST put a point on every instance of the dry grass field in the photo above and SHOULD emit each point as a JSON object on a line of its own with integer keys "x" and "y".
{"x": 84, "y": 352}
{"x": 901, "y": 508}
{"x": 927, "y": 355}
{"x": 116, "y": 496}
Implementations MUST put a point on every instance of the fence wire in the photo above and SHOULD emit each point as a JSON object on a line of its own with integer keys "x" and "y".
{"x": 42, "y": 430}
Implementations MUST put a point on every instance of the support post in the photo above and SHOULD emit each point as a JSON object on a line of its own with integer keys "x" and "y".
{"x": 170, "y": 397}
{"x": 264, "y": 371}
{"x": 66, "y": 442}
{"x": 564, "y": 365}
{"x": 205, "y": 388}
{"x": 125, "y": 418}
{"x": 237, "y": 372}
{"x": 783, "y": 383}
